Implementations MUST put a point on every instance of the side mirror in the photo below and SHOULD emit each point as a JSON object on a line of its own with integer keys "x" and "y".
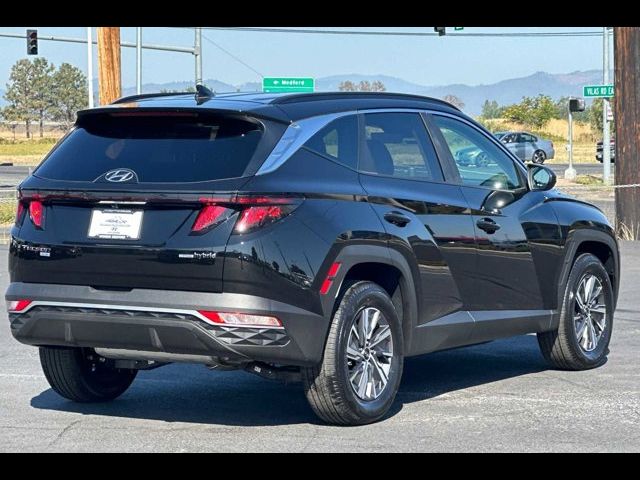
{"x": 540, "y": 178}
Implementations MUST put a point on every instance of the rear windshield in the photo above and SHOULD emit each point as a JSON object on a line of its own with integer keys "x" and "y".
{"x": 157, "y": 149}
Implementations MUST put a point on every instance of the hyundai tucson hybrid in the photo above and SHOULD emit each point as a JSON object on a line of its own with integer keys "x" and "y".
{"x": 314, "y": 237}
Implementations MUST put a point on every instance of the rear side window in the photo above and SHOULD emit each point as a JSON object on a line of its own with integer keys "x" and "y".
{"x": 158, "y": 149}
{"x": 338, "y": 141}
{"x": 397, "y": 144}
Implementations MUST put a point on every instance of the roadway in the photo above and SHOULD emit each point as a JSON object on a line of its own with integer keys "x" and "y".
{"x": 581, "y": 168}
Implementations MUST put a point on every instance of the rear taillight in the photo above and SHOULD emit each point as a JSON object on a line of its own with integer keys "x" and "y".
{"x": 253, "y": 212}
{"x": 209, "y": 216}
{"x": 35, "y": 208}
{"x": 16, "y": 306}
{"x": 256, "y": 217}
{"x": 36, "y": 213}
{"x": 262, "y": 211}
{"x": 240, "y": 319}
{"x": 19, "y": 212}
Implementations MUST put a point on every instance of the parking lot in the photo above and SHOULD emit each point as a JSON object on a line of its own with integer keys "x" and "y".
{"x": 494, "y": 397}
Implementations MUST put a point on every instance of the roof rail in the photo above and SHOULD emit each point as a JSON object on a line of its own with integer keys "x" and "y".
{"x": 318, "y": 96}
{"x": 141, "y": 96}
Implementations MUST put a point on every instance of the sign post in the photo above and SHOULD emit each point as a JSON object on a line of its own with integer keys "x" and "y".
{"x": 574, "y": 105}
{"x": 288, "y": 84}
{"x": 606, "y": 132}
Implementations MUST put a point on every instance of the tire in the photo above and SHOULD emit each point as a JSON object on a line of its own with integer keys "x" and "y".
{"x": 328, "y": 386}
{"x": 562, "y": 348}
{"x": 482, "y": 160}
{"x": 539, "y": 157}
{"x": 79, "y": 374}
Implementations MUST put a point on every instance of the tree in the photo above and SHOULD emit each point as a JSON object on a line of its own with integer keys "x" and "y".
{"x": 347, "y": 86}
{"x": 363, "y": 86}
{"x": 535, "y": 112}
{"x": 10, "y": 118}
{"x": 453, "y": 100}
{"x": 491, "y": 109}
{"x": 378, "y": 86}
{"x": 69, "y": 91}
{"x": 18, "y": 94}
{"x": 595, "y": 116}
{"x": 29, "y": 92}
{"x": 543, "y": 111}
{"x": 42, "y": 93}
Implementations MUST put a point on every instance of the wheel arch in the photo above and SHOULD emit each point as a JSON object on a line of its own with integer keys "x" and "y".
{"x": 386, "y": 267}
{"x": 598, "y": 243}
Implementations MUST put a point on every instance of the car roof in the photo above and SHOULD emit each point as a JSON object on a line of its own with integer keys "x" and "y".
{"x": 285, "y": 107}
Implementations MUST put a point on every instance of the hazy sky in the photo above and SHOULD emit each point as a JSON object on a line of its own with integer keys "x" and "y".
{"x": 423, "y": 60}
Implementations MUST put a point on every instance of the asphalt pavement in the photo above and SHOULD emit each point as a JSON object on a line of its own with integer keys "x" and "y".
{"x": 10, "y": 176}
{"x": 499, "y": 396}
{"x": 581, "y": 168}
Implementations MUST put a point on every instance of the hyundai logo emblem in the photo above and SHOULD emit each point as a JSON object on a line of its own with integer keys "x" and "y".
{"x": 119, "y": 175}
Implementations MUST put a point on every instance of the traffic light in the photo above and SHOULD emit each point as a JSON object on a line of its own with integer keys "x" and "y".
{"x": 32, "y": 42}
{"x": 576, "y": 105}
{"x": 440, "y": 31}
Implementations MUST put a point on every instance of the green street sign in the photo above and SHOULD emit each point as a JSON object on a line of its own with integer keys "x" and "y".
{"x": 287, "y": 84}
{"x": 598, "y": 91}
{"x": 457, "y": 29}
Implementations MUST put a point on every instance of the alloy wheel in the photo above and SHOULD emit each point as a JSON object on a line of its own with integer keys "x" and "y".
{"x": 589, "y": 312}
{"x": 539, "y": 157}
{"x": 369, "y": 354}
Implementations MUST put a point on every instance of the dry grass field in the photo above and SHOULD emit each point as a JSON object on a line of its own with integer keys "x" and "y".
{"x": 584, "y": 140}
{"x": 16, "y": 149}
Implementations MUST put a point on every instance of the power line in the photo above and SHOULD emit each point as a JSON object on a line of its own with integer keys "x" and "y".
{"x": 407, "y": 34}
{"x": 233, "y": 56}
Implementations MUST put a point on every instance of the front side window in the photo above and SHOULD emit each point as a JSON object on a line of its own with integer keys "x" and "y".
{"x": 397, "y": 144}
{"x": 480, "y": 162}
{"x": 510, "y": 138}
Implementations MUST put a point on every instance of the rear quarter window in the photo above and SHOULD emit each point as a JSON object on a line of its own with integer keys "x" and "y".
{"x": 158, "y": 149}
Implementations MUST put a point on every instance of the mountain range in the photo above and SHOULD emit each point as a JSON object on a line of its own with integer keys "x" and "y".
{"x": 504, "y": 92}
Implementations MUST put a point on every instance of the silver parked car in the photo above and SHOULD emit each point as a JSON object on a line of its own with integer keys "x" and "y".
{"x": 527, "y": 147}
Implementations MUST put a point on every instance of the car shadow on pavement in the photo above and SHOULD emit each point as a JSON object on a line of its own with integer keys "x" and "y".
{"x": 193, "y": 394}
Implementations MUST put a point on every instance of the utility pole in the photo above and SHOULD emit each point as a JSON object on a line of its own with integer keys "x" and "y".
{"x": 570, "y": 173}
{"x": 109, "y": 76}
{"x": 197, "y": 52}
{"x": 627, "y": 107}
{"x": 606, "y": 136}
{"x": 90, "y": 65}
{"x": 138, "y": 60}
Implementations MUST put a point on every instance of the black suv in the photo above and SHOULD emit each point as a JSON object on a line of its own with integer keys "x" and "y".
{"x": 321, "y": 237}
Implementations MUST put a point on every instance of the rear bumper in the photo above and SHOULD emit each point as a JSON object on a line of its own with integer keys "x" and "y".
{"x": 164, "y": 321}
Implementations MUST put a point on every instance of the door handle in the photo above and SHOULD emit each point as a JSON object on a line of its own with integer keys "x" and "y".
{"x": 397, "y": 218}
{"x": 487, "y": 225}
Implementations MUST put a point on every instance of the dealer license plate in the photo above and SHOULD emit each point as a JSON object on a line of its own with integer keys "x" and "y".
{"x": 116, "y": 224}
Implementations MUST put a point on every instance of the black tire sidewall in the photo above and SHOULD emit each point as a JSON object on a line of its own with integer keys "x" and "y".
{"x": 107, "y": 385}
{"x": 586, "y": 264}
{"x": 363, "y": 296}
